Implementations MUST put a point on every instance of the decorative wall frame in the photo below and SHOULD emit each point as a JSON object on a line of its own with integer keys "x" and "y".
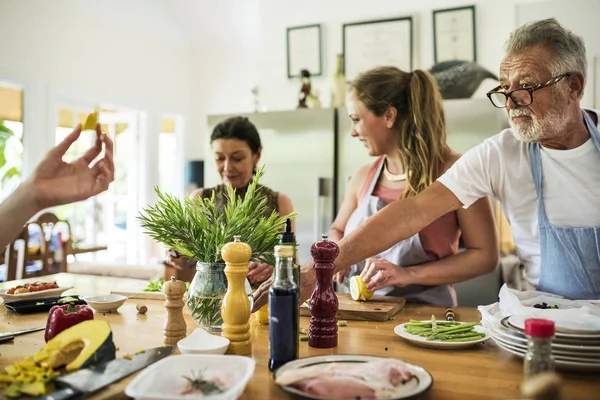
{"x": 454, "y": 34}
{"x": 369, "y": 44}
{"x": 304, "y": 50}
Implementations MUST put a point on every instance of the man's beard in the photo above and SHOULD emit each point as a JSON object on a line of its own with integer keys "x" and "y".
{"x": 534, "y": 130}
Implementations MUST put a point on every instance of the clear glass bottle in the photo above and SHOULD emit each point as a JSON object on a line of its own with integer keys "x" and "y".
{"x": 538, "y": 358}
{"x": 283, "y": 311}
{"x": 338, "y": 89}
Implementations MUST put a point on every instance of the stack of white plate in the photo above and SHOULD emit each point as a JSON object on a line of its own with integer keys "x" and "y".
{"x": 574, "y": 348}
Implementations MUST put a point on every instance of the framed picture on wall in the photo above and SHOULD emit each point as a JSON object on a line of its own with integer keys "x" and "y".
{"x": 371, "y": 44}
{"x": 304, "y": 50}
{"x": 454, "y": 34}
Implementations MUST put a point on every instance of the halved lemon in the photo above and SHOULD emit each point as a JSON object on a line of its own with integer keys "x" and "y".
{"x": 90, "y": 121}
{"x": 358, "y": 289}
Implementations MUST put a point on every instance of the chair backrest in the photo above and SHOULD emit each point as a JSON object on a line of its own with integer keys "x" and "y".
{"x": 49, "y": 221}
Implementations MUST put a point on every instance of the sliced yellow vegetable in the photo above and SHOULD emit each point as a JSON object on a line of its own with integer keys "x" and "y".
{"x": 90, "y": 121}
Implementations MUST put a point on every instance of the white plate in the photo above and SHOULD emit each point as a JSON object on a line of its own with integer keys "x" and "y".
{"x": 575, "y": 339}
{"x": 421, "y": 383}
{"x": 588, "y": 327}
{"x": 517, "y": 338}
{"x": 558, "y": 354}
{"x": 163, "y": 380}
{"x": 559, "y": 364}
{"x": 438, "y": 344}
{"x": 33, "y": 295}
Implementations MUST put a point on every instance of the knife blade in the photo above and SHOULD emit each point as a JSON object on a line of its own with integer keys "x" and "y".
{"x": 85, "y": 382}
{"x": 21, "y": 332}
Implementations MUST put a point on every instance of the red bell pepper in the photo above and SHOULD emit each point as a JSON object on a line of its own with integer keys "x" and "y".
{"x": 65, "y": 316}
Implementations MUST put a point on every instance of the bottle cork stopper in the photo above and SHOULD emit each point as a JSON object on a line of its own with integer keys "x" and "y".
{"x": 141, "y": 308}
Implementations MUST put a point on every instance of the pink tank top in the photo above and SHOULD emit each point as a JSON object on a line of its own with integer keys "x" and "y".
{"x": 439, "y": 239}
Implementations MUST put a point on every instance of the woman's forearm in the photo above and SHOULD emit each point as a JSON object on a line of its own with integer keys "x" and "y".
{"x": 15, "y": 211}
{"x": 335, "y": 235}
{"x": 456, "y": 268}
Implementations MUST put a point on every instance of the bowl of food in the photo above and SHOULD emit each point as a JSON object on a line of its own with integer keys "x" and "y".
{"x": 193, "y": 376}
{"x": 107, "y": 303}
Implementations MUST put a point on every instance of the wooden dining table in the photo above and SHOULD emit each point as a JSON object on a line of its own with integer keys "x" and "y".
{"x": 480, "y": 372}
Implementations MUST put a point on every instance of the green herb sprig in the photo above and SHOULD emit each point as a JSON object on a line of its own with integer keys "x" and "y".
{"x": 196, "y": 229}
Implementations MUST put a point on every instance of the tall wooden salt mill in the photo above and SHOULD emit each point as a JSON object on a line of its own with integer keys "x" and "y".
{"x": 174, "y": 328}
{"x": 322, "y": 332}
{"x": 235, "y": 308}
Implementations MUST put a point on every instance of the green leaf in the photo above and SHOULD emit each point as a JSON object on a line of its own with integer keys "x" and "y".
{"x": 196, "y": 229}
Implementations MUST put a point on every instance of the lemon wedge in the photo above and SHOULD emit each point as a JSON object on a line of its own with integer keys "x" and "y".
{"x": 358, "y": 289}
{"x": 90, "y": 121}
{"x": 262, "y": 315}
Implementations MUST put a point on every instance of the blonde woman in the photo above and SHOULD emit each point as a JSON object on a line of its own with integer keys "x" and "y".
{"x": 399, "y": 118}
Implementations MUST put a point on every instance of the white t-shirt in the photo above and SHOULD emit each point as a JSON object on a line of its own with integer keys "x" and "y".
{"x": 499, "y": 167}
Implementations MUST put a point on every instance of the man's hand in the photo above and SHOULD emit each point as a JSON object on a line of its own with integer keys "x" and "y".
{"x": 307, "y": 285}
{"x": 380, "y": 273}
{"x": 339, "y": 276}
{"x": 55, "y": 182}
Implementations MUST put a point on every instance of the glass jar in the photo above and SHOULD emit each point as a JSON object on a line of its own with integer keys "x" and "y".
{"x": 206, "y": 294}
{"x": 538, "y": 358}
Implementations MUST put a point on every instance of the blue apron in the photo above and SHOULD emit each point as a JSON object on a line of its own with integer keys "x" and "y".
{"x": 570, "y": 257}
{"x": 406, "y": 253}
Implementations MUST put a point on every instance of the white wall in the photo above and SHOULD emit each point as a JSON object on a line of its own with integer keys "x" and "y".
{"x": 494, "y": 20}
{"x": 125, "y": 53}
{"x": 225, "y": 39}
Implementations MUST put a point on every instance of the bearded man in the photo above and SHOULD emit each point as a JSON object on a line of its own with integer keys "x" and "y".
{"x": 544, "y": 170}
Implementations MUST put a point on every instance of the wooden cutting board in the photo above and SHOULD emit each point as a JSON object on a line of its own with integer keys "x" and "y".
{"x": 377, "y": 308}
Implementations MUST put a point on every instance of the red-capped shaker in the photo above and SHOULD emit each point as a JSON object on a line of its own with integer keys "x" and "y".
{"x": 538, "y": 358}
{"x": 323, "y": 304}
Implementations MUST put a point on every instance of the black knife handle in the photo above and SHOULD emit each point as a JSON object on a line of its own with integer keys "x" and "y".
{"x": 62, "y": 394}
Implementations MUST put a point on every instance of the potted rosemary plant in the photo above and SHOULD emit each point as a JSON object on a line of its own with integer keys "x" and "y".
{"x": 196, "y": 229}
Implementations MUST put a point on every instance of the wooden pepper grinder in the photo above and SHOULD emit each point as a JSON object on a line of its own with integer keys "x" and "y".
{"x": 235, "y": 309}
{"x": 323, "y": 305}
{"x": 174, "y": 328}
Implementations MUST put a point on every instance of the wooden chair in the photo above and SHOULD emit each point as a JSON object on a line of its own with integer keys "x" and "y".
{"x": 18, "y": 253}
{"x": 49, "y": 223}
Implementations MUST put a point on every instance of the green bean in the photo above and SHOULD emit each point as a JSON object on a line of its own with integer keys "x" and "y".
{"x": 446, "y": 331}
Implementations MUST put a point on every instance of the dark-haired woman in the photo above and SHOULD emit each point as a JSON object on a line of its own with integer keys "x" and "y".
{"x": 236, "y": 147}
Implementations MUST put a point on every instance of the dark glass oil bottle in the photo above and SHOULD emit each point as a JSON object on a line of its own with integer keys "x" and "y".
{"x": 283, "y": 310}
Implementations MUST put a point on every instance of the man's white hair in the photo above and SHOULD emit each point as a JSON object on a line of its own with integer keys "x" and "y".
{"x": 568, "y": 48}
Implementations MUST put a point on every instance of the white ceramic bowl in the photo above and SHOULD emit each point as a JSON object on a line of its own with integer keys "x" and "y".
{"x": 202, "y": 342}
{"x": 163, "y": 380}
{"x": 108, "y": 303}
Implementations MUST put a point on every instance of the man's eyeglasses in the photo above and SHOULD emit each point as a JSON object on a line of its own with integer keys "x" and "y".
{"x": 521, "y": 96}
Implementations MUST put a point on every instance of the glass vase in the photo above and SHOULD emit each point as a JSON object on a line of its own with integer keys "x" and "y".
{"x": 206, "y": 294}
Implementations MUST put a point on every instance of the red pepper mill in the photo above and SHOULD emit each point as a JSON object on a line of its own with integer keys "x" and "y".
{"x": 323, "y": 304}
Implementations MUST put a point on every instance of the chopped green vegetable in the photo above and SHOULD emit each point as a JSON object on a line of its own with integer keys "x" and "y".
{"x": 157, "y": 285}
{"x": 445, "y": 331}
{"x": 68, "y": 299}
{"x": 342, "y": 323}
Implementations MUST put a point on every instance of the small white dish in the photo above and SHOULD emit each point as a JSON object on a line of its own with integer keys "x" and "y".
{"x": 108, "y": 303}
{"x": 202, "y": 342}
{"x": 438, "y": 344}
{"x": 164, "y": 380}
